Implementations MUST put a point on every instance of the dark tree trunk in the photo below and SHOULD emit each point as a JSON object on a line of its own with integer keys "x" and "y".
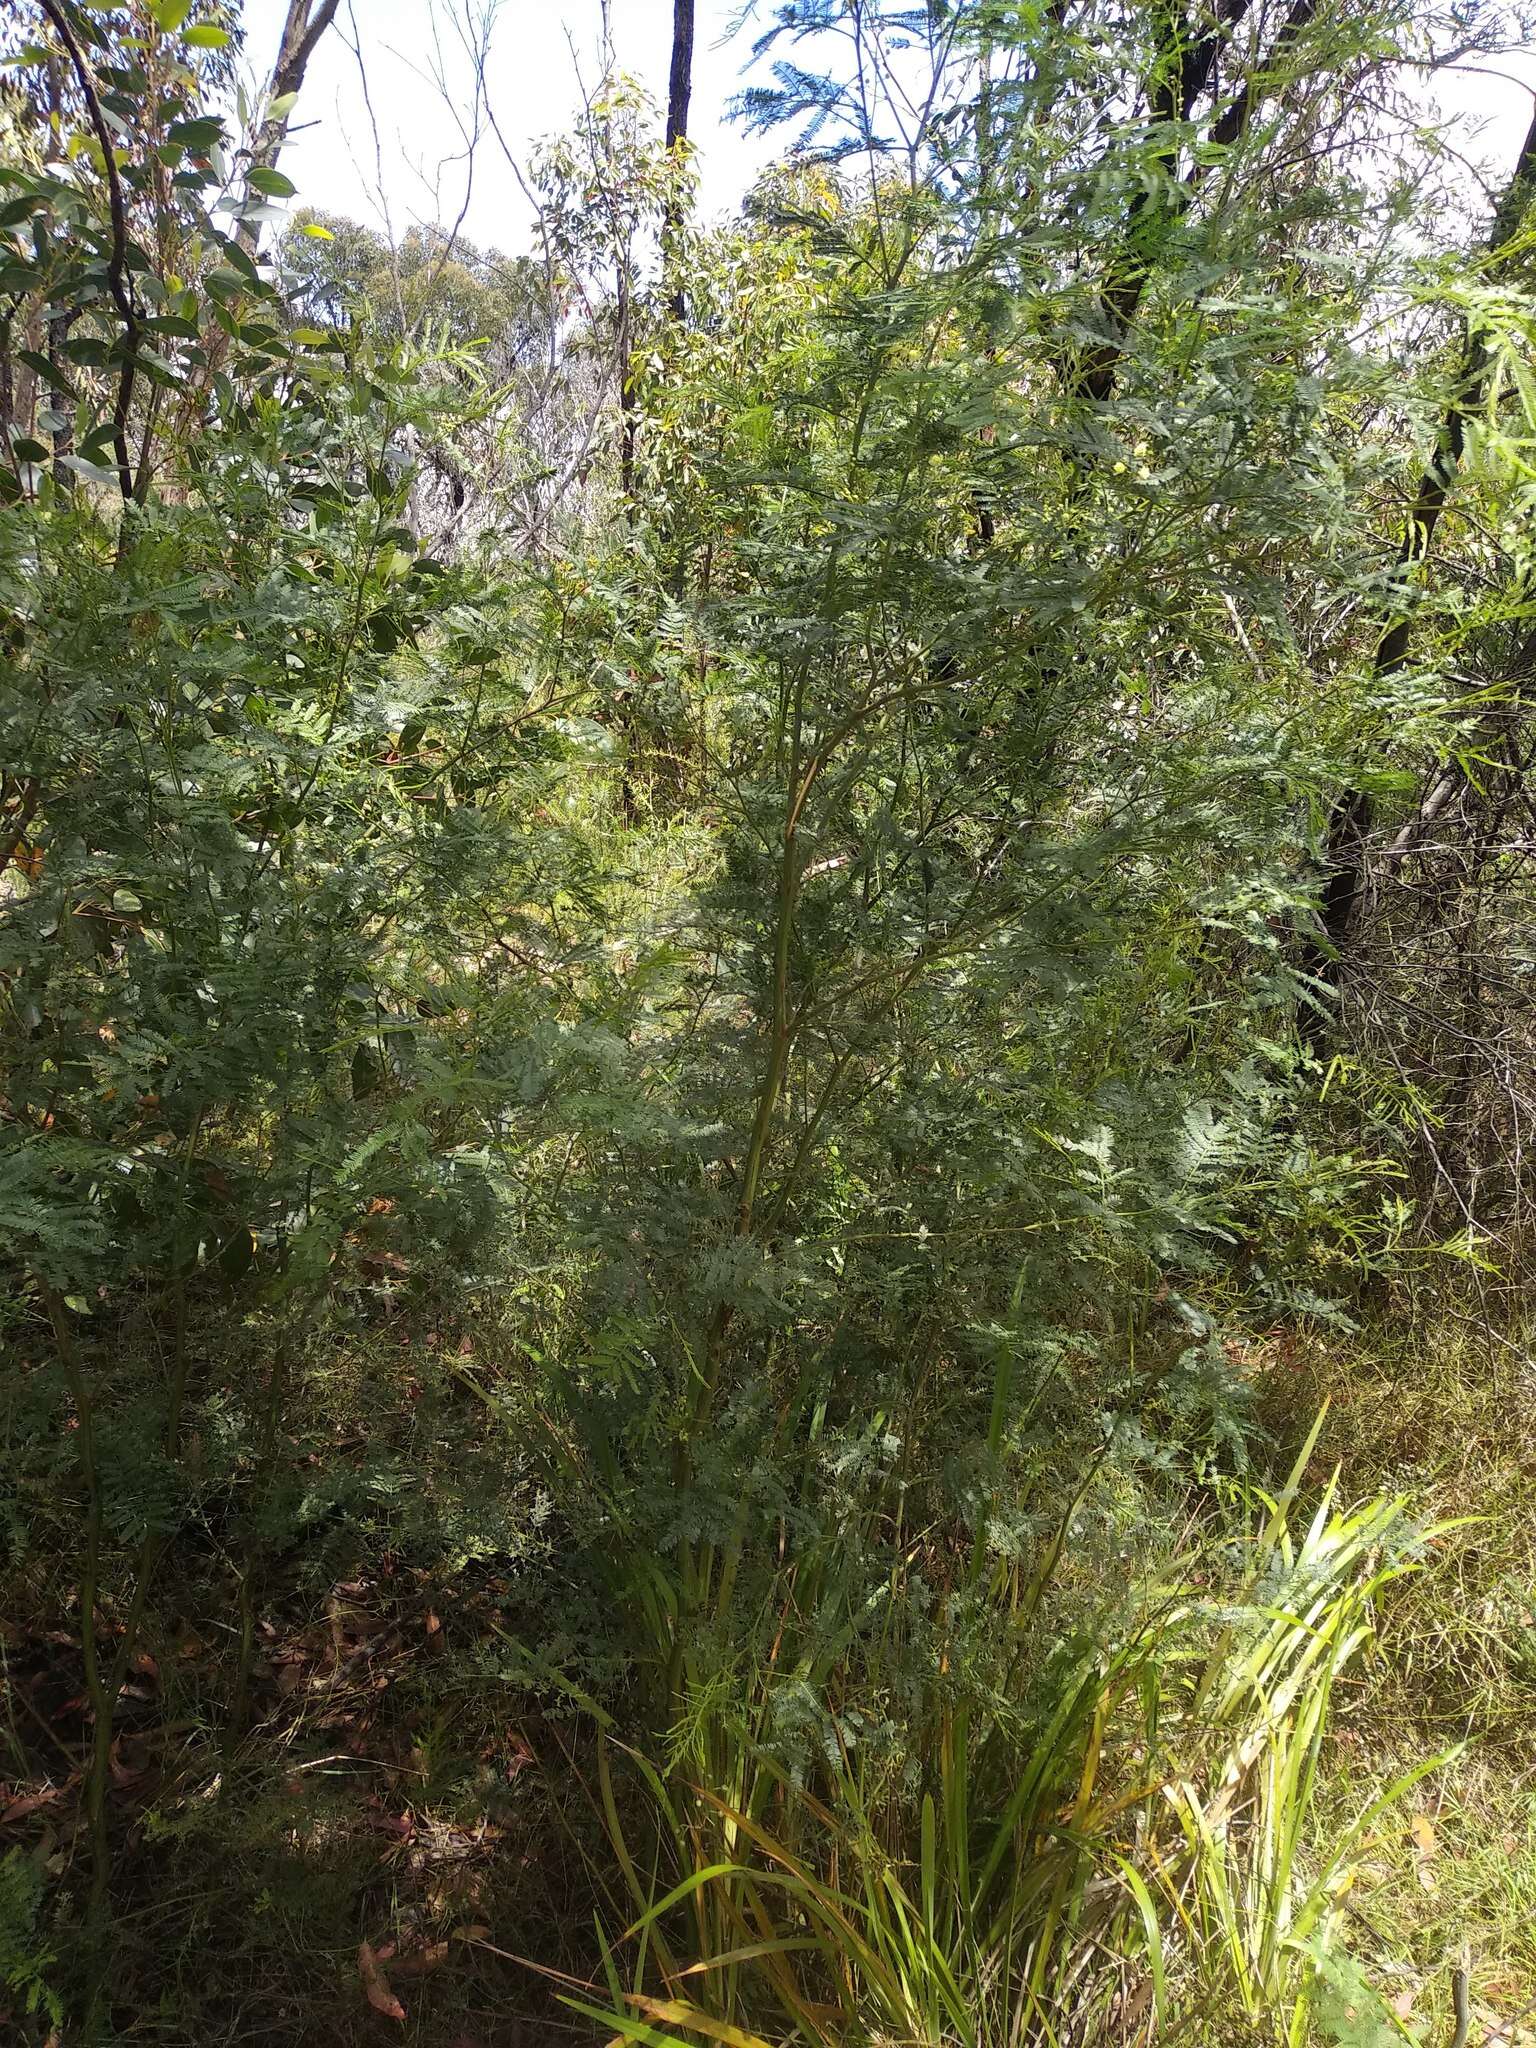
{"x": 1346, "y": 842}
{"x": 679, "y": 93}
{"x": 680, "y": 84}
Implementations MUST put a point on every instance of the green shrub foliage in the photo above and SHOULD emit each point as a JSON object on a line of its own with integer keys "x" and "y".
{"x": 699, "y": 959}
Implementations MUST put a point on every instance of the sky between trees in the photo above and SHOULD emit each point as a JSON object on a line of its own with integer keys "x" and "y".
{"x": 538, "y": 48}
{"x": 399, "y": 149}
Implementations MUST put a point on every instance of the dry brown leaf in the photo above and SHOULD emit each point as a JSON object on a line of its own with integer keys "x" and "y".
{"x": 25, "y": 1803}
{"x": 1502, "y": 1991}
{"x": 1131, "y": 2008}
{"x": 1425, "y": 1849}
{"x": 402, "y": 1825}
{"x": 123, "y": 1772}
{"x": 1402, "y": 2005}
{"x": 1509, "y": 2034}
{"x": 420, "y": 1960}
{"x": 375, "y": 1984}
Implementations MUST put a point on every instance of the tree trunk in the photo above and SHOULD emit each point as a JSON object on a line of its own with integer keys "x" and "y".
{"x": 680, "y": 83}
{"x": 679, "y": 93}
{"x": 307, "y": 21}
{"x": 1346, "y": 841}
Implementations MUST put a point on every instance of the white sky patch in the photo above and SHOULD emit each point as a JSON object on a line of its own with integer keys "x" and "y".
{"x": 407, "y": 155}
{"x": 531, "y": 82}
